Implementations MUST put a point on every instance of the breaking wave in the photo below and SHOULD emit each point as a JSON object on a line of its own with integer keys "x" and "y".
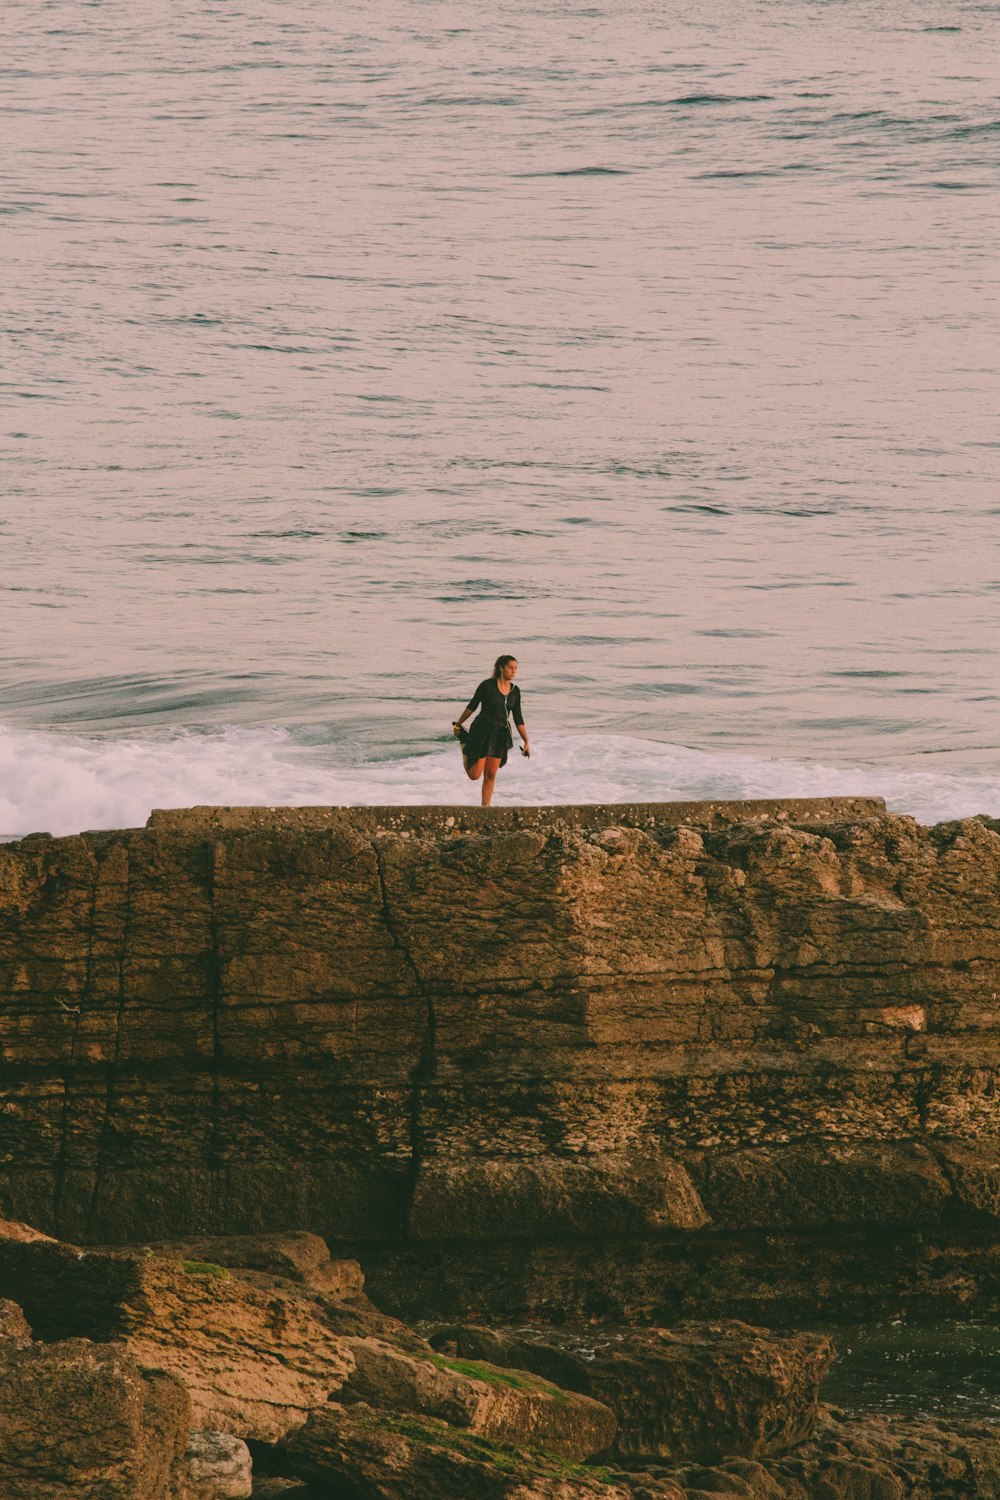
{"x": 62, "y": 783}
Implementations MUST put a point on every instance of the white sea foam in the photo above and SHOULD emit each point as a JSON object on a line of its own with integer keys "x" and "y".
{"x": 61, "y": 783}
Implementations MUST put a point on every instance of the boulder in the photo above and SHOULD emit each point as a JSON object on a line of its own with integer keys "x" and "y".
{"x": 816, "y": 1186}
{"x": 507, "y": 1406}
{"x": 257, "y": 1352}
{"x": 383, "y": 1457}
{"x": 81, "y": 1421}
{"x": 295, "y": 1256}
{"x": 218, "y": 1467}
{"x": 304, "y": 1260}
{"x": 850, "y": 1458}
{"x": 607, "y": 1193}
{"x": 699, "y": 1391}
{"x": 255, "y": 1359}
{"x": 13, "y": 1324}
{"x": 65, "y": 1292}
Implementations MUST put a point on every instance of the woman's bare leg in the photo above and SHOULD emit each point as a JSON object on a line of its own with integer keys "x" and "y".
{"x": 490, "y": 769}
{"x": 475, "y": 770}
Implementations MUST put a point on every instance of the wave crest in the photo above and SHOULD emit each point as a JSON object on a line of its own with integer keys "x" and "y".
{"x": 62, "y": 784}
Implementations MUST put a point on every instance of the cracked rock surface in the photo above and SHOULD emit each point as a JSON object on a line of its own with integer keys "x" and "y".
{"x": 549, "y": 1064}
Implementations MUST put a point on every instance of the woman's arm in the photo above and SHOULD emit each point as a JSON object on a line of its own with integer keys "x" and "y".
{"x": 469, "y": 708}
{"x": 519, "y": 724}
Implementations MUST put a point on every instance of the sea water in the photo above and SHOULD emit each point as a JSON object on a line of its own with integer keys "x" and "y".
{"x": 347, "y": 346}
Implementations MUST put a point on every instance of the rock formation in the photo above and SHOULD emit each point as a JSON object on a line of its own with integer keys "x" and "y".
{"x": 701, "y": 1391}
{"x": 80, "y": 1421}
{"x": 123, "y": 1416}
{"x": 661, "y": 1061}
{"x": 711, "y": 1062}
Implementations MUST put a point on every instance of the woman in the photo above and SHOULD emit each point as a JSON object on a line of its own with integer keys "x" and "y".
{"x": 485, "y": 746}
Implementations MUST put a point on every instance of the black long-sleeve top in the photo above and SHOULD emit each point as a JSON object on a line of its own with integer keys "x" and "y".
{"x": 495, "y": 705}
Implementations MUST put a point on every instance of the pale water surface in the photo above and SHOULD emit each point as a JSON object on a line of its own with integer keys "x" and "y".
{"x": 347, "y": 345}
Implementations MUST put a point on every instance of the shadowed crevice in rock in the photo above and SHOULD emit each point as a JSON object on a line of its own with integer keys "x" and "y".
{"x": 101, "y": 1149}
{"x": 79, "y": 1010}
{"x": 216, "y": 856}
{"x": 423, "y": 1070}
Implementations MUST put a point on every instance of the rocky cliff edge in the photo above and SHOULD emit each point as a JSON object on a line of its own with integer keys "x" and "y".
{"x": 622, "y": 1061}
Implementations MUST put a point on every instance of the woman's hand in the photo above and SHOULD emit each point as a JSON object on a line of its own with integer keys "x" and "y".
{"x": 526, "y": 750}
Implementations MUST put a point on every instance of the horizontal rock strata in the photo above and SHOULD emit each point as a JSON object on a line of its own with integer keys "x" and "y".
{"x": 626, "y": 1062}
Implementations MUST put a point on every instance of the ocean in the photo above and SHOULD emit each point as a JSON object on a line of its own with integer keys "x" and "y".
{"x": 346, "y": 347}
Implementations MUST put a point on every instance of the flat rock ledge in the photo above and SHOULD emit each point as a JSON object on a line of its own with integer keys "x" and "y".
{"x": 157, "y": 1373}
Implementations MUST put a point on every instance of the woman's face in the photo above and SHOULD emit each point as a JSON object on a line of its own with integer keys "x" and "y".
{"x": 509, "y": 672}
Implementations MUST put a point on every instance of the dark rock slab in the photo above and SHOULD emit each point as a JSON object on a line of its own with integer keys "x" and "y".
{"x": 850, "y": 1458}
{"x": 507, "y": 1406}
{"x": 14, "y": 1329}
{"x": 602, "y": 1194}
{"x": 697, "y": 1391}
{"x": 300, "y": 1257}
{"x": 376, "y": 1456}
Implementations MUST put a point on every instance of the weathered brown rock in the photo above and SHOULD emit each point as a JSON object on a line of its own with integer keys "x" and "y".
{"x": 85, "y": 1420}
{"x": 14, "y": 1233}
{"x": 255, "y": 1352}
{"x": 507, "y": 1406}
{"x": 65, "y": 1291}
{"x": 300, "y": 1257}
{"x": 714, "y": 1060}
{"x": 530, "y": 1200}
{"x": 851, "y": 1458}
{"x": 14, "y": 1327}
{"x": 217, "y": 1467}
{"x": 255, "y": 1360}
{"x": 79, "y": 1421}
{"x": 697, "y": 1391}
{"x": 381, "y": 1457}
{"x": 303, "y": 1259}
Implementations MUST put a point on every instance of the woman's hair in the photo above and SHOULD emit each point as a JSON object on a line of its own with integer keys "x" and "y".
{"x": 500, "y": 663}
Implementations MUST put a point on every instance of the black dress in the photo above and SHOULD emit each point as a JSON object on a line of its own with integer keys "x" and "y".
{"x": 489, "y": 733}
